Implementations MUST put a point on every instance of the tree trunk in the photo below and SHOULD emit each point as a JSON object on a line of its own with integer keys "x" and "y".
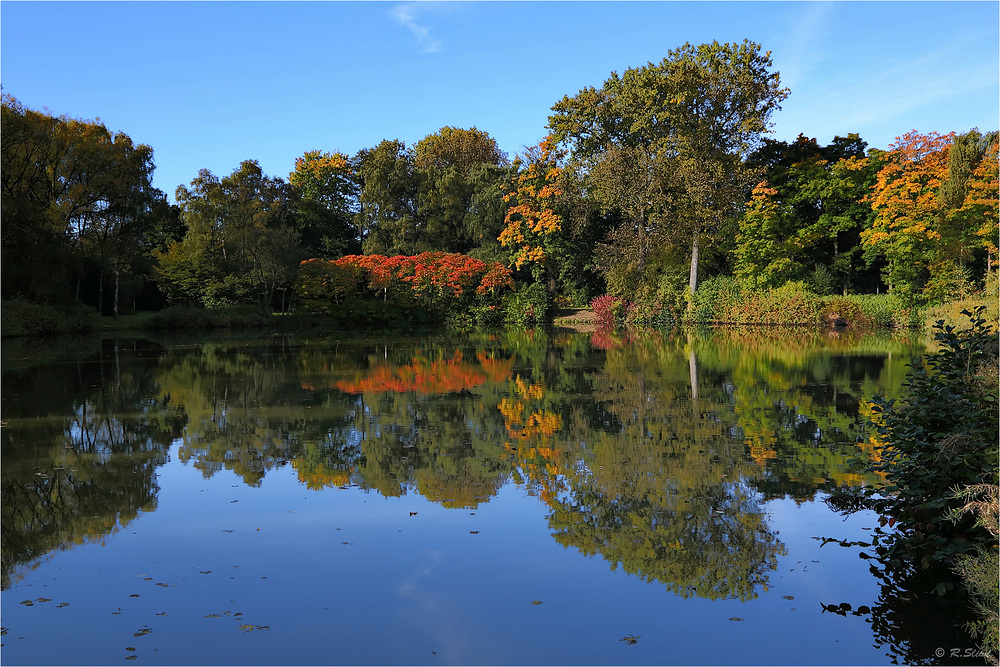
{"x": 117, "y": 283}
{"x": 100, "y": 294}
{"x": 693, "y": 279}
{"x": 693, "y": 370}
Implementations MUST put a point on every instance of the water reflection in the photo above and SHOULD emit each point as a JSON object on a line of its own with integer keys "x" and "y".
{"x": 655, "y": 452}
{"x": 81, "y": 443}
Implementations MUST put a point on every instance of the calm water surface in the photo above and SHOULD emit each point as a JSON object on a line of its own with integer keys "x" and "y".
{"x": 514, "y": 498}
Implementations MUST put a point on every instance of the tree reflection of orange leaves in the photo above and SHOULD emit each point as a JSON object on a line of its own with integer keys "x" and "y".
{"x": 761, "y": 453}
{"x": 316, "y": 476}
{"x": 529, "y": 391}
{"x": 872, "y": 447}
{"x": 421, "y": 376}
{"x": 537, "y": 424}
{"x": 497, "y": 370}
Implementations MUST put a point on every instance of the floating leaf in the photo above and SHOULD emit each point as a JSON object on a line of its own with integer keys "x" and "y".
{"x": 736, "y": 618}
{"x": 787, "y": 597}
{"x": 536, "y": 602}
{"x": 630, "y": 639}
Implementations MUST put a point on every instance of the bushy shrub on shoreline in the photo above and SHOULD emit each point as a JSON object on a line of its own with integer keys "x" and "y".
{"x": 725, "y": 300}
{"x": 25, "y": 318}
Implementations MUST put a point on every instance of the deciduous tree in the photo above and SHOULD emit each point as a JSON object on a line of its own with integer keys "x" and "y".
{"x": 703, "y": 109}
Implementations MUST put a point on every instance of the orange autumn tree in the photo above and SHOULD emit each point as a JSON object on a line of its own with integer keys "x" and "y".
{"x": 907, "y": 209}
{"x": 431, "y": 284}
{"x": 532, "y": 219}
{"x": 935, "y": 204}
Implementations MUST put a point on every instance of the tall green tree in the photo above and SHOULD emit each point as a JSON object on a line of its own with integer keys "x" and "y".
{"x": 804, "y": 218}
{"x": 387, "y": 215}
{"x": 699, "y": 112}
{"x": 241, "y": 246}
{"x": 326, "y": 200}
{"x": 454, "y": 166}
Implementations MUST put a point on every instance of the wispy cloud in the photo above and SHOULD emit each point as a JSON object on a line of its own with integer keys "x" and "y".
{"x": 798, "y": 47}
{"x": 408, "y": 15}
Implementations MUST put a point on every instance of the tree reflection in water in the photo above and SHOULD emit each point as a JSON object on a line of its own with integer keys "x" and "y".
{"x": 657, "y": 452}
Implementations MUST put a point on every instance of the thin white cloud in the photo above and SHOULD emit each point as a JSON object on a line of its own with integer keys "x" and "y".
{"x": 798, "y": 49}
{"x": 895, "y": 95}
{"x": 407, "y": 15}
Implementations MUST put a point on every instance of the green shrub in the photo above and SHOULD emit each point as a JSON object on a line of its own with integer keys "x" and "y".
{"x": 882, "y": 310}
{"x": 943, "y": 434}
{"x": 529, "y": 305}
{"x": 714, "y": 298}
{"x": 24, "y": 318}
{"x": 181, "y": 317}
{"x": 792, "y": 303}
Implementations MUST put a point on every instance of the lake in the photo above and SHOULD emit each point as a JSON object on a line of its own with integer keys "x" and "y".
{"x": 510, "y": 498}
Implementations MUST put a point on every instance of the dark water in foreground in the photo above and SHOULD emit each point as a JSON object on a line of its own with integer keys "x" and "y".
{"x": 518, "y": 498}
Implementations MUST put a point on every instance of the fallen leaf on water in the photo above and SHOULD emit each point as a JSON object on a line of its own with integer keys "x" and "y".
{"x": 62, "y": 604}
{"x": 130, "y": 657}
{"x": 473, "y": 532}
{"x": 212, "y": 616}
{"x": 788, "y": 597}
{"x": 736, "y": 618}
{"x": 134, "y": 595}
{"x": 536, "y": 602}
{"x": 630, "y": 639}
{"x": 129, "y": 648}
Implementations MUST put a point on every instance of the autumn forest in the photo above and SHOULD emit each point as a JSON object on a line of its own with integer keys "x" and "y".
{"x": 654, "y": 186}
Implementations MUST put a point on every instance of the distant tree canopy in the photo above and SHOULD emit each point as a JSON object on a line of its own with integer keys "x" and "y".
{"x": 658, "y": 178}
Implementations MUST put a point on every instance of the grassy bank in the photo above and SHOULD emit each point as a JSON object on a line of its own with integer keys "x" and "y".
{"x": 725, "y": 301}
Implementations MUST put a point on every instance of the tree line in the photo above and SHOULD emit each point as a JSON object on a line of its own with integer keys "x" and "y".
{"x": 642, "y": 187}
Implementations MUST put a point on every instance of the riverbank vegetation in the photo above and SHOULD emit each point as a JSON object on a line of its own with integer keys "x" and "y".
{"x": 658, "y": 188}
{"x": 937, "y": 450}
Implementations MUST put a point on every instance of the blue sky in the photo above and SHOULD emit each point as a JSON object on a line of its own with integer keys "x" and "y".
{"x": 208, "y": 85}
